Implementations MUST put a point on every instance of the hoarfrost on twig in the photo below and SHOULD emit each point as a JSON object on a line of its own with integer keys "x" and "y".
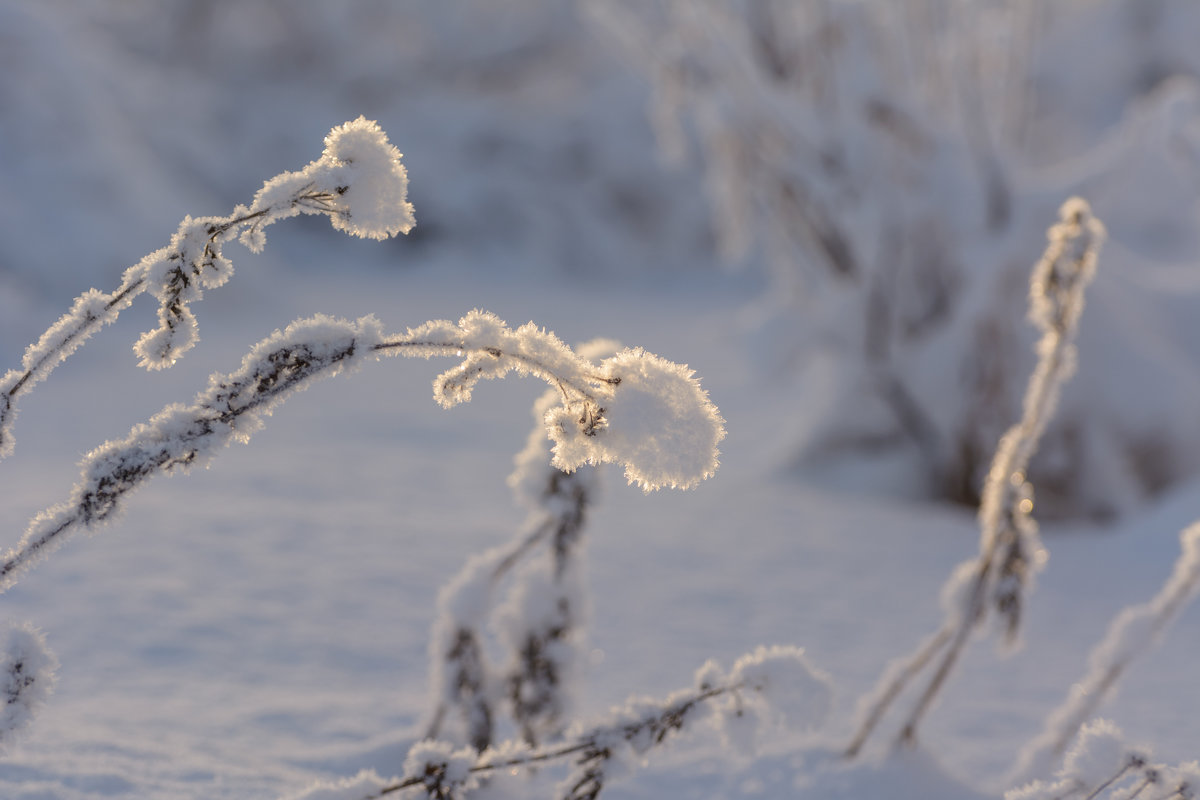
{"x": 358, "y": 182}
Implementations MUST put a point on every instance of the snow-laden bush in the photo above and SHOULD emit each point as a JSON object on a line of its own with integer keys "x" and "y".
{"x": 890, "y": 166}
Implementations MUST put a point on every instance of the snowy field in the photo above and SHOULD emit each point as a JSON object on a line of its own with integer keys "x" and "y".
{"x": 262, "y": 624}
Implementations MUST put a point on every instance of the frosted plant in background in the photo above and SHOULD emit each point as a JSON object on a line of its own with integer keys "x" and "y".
{"x": 461, "y": 680}
{"x": 886, "y": 166}
{"x": 1102, "y": 765}
{"x": 851, "y": 148}
{"x": 1133, "y": 632}
{"x": 358, "y": 182}
{"x": 1010, "y": 548}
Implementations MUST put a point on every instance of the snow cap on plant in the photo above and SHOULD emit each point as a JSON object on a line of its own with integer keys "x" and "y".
{"x": 655, "y": 420}
{"x": 374, "y": 205}
{"x": 358, "y": 181}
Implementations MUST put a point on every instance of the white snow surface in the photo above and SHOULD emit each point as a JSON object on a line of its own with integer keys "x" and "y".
{"x": 262, "y": 624}
{"x": 252, "y": 627}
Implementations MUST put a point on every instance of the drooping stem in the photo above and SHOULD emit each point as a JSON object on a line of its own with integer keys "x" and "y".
{"x": 570, "y": 388}
{"x": 233, "y": 406}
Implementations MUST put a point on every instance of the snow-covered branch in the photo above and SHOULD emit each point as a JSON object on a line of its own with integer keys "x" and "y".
{"x": 1010, "y": 550}
{"x": 634, "y": 408}
{"x": 358, "y": 182}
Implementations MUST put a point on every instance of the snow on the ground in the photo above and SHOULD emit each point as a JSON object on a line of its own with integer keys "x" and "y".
{"x": 253, "y": 627}
{"x": 262, "y": 623}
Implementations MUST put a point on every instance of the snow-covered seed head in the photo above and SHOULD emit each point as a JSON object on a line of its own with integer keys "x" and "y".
{"x": 653, "y": 418}
{"x": 1067, "y": 266}
{"x": 369, "y": 184}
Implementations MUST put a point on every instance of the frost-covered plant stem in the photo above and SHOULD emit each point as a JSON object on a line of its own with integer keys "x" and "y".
{"x": 540, "y": 621}
{"x": 669, "y": 437}
{"x": 1101, "y": 764}
{"x": 1010, "y": 550}
{"x": 545, "y": 615}
{"x": 1132, "y": 632}
{"x": 358, "y": 182}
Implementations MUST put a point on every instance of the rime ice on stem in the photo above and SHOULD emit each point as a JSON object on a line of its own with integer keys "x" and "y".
{"x": 181, "y": 436}
{"x": 1010, "y": 548}
{"x": 358, "y": 182}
